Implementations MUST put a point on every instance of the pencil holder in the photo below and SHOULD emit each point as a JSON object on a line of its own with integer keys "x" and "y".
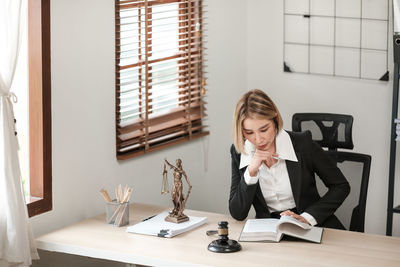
{"x": 117, "y": 213}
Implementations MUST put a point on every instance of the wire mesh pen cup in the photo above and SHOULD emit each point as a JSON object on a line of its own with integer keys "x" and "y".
{"x": 117, "y": 213}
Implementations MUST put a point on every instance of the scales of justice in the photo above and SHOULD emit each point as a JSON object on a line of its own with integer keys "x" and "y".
{"x": 177, "y": 195}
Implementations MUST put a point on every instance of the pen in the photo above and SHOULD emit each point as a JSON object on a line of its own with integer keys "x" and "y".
{"x": 211, "y": 232}
{"x": 148, "y": 218}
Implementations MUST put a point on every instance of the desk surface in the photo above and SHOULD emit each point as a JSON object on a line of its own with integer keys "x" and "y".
{"x": 94, "y": 238}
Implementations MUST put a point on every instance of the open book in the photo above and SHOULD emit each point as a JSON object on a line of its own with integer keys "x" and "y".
{"x": 274, "y": 229}
{"x": 157, "y": 226}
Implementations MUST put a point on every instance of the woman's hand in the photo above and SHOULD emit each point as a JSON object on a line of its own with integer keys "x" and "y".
{"x": 259, "y": 157}
{"x": 294, "y": 215}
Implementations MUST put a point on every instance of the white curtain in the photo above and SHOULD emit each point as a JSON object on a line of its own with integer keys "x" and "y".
{"x": 17, "y": 245}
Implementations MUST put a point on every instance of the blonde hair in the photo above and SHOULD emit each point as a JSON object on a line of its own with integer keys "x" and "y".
{"x": 254, "y": 104}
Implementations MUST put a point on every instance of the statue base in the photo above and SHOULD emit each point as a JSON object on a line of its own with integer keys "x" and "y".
{"x": 177, "y": 219}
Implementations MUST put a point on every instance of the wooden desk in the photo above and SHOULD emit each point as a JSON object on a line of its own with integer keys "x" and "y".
{"x": 94, "y": 238}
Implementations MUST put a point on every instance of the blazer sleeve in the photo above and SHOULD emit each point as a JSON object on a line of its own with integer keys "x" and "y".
{"x": 333, "y": 179}
{"x": 241, "y": 195}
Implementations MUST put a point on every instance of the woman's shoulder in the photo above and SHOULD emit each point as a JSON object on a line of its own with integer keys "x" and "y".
{"x": 234, "y": 153}
{"x": 300, "y": 139}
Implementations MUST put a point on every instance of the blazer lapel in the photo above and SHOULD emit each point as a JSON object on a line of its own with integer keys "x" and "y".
{"x": 294, "y": 171}
{"x": 261, "y": 198}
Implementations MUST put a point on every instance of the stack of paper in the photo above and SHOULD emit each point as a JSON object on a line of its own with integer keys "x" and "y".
{"x": 397, "y": 121}
{"x": 157, "y": 226}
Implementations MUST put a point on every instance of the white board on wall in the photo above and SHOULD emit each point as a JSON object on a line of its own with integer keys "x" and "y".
{"x": 339, "y": 38}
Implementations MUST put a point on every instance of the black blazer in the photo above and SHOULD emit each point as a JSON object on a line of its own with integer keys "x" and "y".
{"x": 311, "y": 160}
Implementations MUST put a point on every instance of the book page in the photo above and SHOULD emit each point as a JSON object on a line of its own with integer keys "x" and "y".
{"x": 289, "y": 219}
{"x": 260, "y": 225}
{"x": 293, "y": 227}
{"x": 314, "y": 234}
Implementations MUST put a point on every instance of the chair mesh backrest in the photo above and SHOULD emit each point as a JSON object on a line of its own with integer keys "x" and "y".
{"x": 328, "y": 130}
{"x": 358, "y": 183}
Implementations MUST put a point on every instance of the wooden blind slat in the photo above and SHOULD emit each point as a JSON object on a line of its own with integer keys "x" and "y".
{"x": 155, "y": 119}
{"x": 184, "y": 37}
{"x": 156, "y": 147}
{"x": 148, "y": 3}
{"x": 153, "y": 84}
{"x": 183, "y": 46}
{"x": 183, "y": 67}
{"x": 183, "y": 27}
{"x": 158, "y": 129}
{"x": 179, "y": 56}
{"x": 129, "y": 112}
{"x": 158, "y": 100}
{"x": 169, "y": 133}
{"x": 155, "y": 136}
{"x": 135, "y": 113}
{"x": 171, "y": 90}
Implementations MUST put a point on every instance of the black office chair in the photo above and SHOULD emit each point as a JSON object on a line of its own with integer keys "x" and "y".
{"x": 334, "y": 131}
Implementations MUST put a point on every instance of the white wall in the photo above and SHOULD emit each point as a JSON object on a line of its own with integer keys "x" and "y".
{"x": 244, "y": 51}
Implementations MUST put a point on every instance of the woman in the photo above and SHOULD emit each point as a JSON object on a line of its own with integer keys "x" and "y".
{"x": 274, "y": 170}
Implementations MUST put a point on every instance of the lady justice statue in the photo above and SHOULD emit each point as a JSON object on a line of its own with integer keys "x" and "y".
{"x": 176, "y": 215}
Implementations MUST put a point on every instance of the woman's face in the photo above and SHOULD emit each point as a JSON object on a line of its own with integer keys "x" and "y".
{"x": 260, "y": 132}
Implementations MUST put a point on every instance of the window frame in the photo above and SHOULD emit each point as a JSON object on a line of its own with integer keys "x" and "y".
{"x": 40, "y": 150}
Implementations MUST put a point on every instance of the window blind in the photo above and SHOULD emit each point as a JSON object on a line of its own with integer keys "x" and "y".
{"x": 160, "y": 83}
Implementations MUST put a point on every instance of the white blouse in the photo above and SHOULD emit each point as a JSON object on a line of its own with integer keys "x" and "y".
{"x": 274, "y": 182}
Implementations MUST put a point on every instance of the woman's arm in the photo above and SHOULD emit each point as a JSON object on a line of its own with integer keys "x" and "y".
{"x": 241, "y": 195}
{"x": 333, "y": 179}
